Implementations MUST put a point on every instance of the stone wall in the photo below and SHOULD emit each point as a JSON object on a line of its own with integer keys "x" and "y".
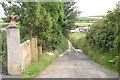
{"x": 19, "y": 55}
{"x": 29, "y": 52}
{"x": 26, "y": 54}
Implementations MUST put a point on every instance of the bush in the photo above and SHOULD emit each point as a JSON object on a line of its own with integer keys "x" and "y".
{"x": 63, "y": 45}
{"x": 24, "y": 34}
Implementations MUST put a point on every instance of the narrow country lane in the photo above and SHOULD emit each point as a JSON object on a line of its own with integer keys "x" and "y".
{"x": 75, "y": 64}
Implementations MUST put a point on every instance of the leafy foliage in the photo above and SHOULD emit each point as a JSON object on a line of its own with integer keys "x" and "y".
{"x": 105, "y": 31}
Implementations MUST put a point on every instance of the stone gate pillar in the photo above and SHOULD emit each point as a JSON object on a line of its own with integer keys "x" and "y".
{"x": 14, "y": 51}
{"x": 34, "y": 50}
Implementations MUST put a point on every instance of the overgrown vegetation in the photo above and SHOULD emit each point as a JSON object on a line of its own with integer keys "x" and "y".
{"x": 102, "y": 41}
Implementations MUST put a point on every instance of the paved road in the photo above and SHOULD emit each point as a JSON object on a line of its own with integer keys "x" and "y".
{"x": 75, "y": 64}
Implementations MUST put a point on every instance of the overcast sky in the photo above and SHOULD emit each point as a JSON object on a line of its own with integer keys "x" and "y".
{"x": 95, "y": 7}
{"x": 89, "y": 7}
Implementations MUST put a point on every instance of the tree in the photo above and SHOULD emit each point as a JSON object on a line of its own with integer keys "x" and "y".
{"x": 57, "y": 16}
{"x": 71, "y": 14}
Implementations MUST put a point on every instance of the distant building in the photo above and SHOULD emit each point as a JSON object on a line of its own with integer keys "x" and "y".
{"x": 80, "y": 29}
{"x": 83, "y": 29}
{"x": 75, "y": 30}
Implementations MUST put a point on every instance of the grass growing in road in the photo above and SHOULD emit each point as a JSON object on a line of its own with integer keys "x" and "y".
{"x": 37, "y": 67}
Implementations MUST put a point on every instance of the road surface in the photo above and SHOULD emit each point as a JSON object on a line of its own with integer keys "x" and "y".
{"x": 75, "y": 64}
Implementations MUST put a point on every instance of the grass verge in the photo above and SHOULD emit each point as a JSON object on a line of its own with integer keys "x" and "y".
{"x": 35, "y": 68}
{"x": 106, "y": 59}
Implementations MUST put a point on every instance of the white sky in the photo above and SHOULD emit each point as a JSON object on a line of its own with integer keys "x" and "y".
{"x": 95, "y": 7}
{"x": 89, "y": 7}
{"x": 1, "y": 11}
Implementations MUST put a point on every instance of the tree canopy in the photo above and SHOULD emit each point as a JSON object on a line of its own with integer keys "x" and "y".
{"x": 49, "y": 21}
